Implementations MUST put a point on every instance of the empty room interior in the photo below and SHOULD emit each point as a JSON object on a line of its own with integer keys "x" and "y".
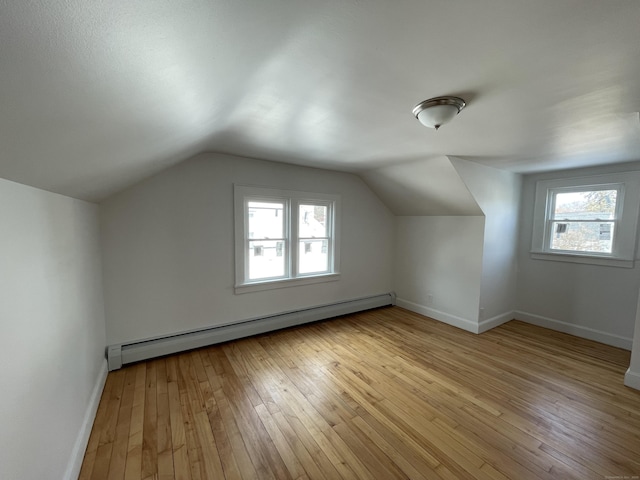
{"x": 320, "y": 240}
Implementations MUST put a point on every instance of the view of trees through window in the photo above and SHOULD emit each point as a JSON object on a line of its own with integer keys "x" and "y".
{"x": 584, "y": 221}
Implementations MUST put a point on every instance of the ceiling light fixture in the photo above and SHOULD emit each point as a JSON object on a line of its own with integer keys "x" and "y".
{"x": 435, "y": 112}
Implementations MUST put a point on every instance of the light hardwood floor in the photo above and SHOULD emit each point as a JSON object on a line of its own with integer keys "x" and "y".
{"x": 382, "y": 394}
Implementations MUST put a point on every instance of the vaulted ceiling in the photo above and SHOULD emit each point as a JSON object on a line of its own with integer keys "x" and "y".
{"x": 97, "y": 95}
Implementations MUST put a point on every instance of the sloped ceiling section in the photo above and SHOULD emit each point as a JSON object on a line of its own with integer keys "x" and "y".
{"x": 427, "y": 187}
{"x": 99, "y": 95}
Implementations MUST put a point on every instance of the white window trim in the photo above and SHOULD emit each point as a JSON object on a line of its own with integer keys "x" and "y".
{"x": 292, "y": 198}
{"x": 627, "y": 208}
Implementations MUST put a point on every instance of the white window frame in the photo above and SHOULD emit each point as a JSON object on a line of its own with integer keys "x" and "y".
{"x": 243, "y": 194}
{"x": 626, "y": 218}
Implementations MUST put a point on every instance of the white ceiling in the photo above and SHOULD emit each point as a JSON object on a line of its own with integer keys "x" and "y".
{"x": 97, "y": 95}
{"x": 421, "y": 188}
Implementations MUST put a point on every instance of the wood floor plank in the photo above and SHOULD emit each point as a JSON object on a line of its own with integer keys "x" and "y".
{"x": 290, "y": 459}
{"x": 149, "y": 466}
{"x": 452, "y": 407}
{"x": 307, "y": 424}
{"x": 121, "y": 441}
{"x": 165, "y": 453}
{"x": 279, "y": 372}
{"x": 368, "y": 453}
{"x": 110, "y": 421}
{"x": 133, "y": 467}
{"x": 181, "y": 464}
{"x": 212, "y": 466}
{"x": 96, "y": 431}
{"x": 382, "y": 394}
{"x": 188, "y": 408}
{"x": 258, "y": 446}
{"x": 223, "y": 427}
{"x": 367, "y": 433}
{"x": 108, "y": 427}
{"x": 299, "y": 411}
{"x": 262, "y": 372}
{"x": 393, "y": 432}
{"x": 102, "y": 461}
{"x": 237, "y": 445}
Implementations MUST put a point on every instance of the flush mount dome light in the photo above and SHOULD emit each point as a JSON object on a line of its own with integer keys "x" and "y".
{"x": 435, "y": 112}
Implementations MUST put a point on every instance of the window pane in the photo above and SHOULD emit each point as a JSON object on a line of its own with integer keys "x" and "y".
{"x": 594, "y": 237}
{"x": 266, "y": 219}
{"x": 266, "y": 259}
{"x": 313, "y": 256}
{"x": 592, "y": 205}
{"x": 313, "y": 221}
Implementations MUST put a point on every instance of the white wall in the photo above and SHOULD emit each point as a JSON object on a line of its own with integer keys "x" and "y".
{"x": 597, "y": 302}
{"x": 448, "y": 267}
{"x": 498, "y": 195}
{"x": 52, "y": 330}
{"x": 168, "y": 247}
{"x": 438, "y": 267}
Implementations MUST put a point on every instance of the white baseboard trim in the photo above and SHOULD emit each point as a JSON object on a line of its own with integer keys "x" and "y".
{"x": 453, "y": 320}
{"x": 80, "y": 446}
{"x": 632, "y": 379}
{"x": 489, "y": 323}
{"x": 577, "y": 330}
{"x": 136, "y": 351}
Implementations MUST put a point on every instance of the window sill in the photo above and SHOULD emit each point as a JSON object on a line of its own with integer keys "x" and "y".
{"x": 584, "y": 259}
{"x": 285, "y": 283}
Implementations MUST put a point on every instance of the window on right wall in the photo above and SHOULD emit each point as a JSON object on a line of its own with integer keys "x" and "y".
{"x": 587, "y": 220}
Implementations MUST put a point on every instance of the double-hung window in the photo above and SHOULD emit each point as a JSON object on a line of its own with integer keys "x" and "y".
{"x": 587, "y": 220}
{"x": 284, "y": 238}
{"x": 583, "y": 220}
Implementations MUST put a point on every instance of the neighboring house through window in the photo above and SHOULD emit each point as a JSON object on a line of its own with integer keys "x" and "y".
{"x": 284, "y": 238}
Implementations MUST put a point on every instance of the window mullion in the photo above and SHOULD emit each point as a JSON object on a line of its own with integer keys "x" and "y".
{"x": 573, "y": 220}
{"x": 312, "y": 238}
{"x": 246, "y": 238}
{"x": 293, "y": 237}
{"x": 332, "y": 232}
{"x": 549, "y": 234}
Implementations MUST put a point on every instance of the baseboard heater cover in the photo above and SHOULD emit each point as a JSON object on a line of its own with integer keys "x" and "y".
{"x": 122, "y": 354}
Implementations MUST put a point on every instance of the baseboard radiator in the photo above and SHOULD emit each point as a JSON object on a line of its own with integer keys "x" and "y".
{"x": 122, "y": 354}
